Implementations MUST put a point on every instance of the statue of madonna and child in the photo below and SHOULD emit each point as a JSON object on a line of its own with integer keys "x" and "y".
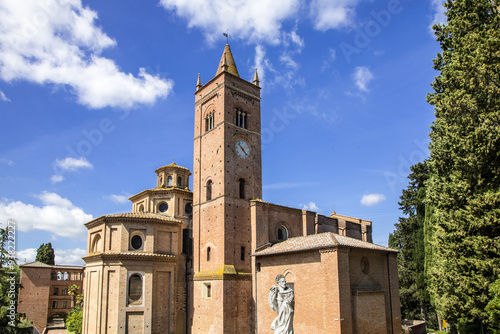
{"x": 281, "y": 300}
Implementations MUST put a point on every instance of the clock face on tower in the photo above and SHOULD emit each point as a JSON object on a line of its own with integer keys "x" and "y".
{"x": 242, "y": 149}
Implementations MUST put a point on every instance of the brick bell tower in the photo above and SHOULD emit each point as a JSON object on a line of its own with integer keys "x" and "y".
{"x": 227, "y": 174}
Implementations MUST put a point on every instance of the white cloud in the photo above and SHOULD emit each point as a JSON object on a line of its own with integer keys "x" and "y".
{"x": 372, "y": 199}
{"x": 7, "y": 162}
{"x": 257, "y": 20}
{"x": 332, "y": 55}
{"x": 56, "y": 178}
{"x": 328, "y": 14}
{"x": 120, "y": 199}
{"x": 439, "y": 16}
{"x": 362, "y": 76}
{"x": 3, "y": 97}
{"x": 288, "y": 61}
{"x": 61, "y": 256}
{"x": 261, "y": 63}
{"x": 26, "y": 255}
{"x": 311, "y": 206}
{"x": 58, "y": 42}
{"x": 73, "y": 164}
{"x": 69, "y": 256}
{"x": 57, "y": 215}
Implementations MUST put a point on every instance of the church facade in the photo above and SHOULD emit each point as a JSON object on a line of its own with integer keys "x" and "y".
{"x": 203, "y": 261}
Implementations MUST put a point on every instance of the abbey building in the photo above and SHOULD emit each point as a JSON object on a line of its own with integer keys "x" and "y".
{"x": 203, "y": 261}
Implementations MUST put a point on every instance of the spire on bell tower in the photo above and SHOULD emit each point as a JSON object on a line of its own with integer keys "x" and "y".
{"x": 198, "y": 83}
{"x": 227, "y": 63}
{"x": 256, "y": 78}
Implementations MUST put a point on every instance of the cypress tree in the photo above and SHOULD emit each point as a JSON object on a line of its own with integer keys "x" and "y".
{"x": 45, "y": 254}
{"x": 464, "y": 184}
{"x": 408, "y": 238}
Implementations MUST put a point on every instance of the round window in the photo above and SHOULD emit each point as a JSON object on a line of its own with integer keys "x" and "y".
{"x": 136, "y": 242}
{"x": 188, "y": 209}
{"x": 163, "y": 207}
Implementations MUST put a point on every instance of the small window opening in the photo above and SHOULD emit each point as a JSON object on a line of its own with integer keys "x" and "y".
{"x": 209, "y": 190}
{"x": 242, "y": 188}
{"x": 209, "y": 253}
{"x": 207, "y": 290}
{"x": 169, "y": 181}
{"x": 242, "y": 253}
{"x": 179, "y": 182}
{"x": 241, "y": 119}
{"x": 365, "y": 265}
{"x": 282, "y": 233}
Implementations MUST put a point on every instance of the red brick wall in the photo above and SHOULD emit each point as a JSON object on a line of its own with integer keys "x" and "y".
{"x": 34, "y": 297}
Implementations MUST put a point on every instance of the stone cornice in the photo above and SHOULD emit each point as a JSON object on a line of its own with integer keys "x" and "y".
{"x": 223, "y": 272}
{"x": 143, "y": 217}
{"x": 130, "y": 256}
{"x": 161, "y": 191}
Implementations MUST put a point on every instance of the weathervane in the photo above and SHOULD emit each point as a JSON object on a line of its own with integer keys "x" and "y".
{"x": 227, "y": 36}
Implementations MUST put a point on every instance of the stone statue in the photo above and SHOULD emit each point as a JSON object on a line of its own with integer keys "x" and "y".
{"x": 281, "y": 300}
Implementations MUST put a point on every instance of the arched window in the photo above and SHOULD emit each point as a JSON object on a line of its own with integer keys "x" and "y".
{"x": 169, "y": 181}
{"x": 242, "y": 188}
{"x": 179, "y": 181}
{"x": 209, "y": 253}
{"x": 96, "y": 244}
{"x": 66, "y": 276}
{"x": 209, "y": 190}
{"x": 241, "y": 119}
{"x": 141, "y": 208}
{"x": 188, "y": 208}
{"x": 282, "y": 233}
{"x": 59, "y": 276}
{"x": 135, "y": 287}
{"x": 53, "y": 275}
{"x": 209, "y": 122}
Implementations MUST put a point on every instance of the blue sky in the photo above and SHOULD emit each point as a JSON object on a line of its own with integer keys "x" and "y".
{"x": 95, "y": 95}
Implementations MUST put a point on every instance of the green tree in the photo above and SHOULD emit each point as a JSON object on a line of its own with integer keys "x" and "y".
{"x": 464, "y": 185}
{"x": 409, "y": 239}
{"x": 493, "y": 307}
{"x": 73, "y": 292}
{"x": 10, "y": 320}
{"x": 74, "y": 320}
{"x": 45, "y": 254}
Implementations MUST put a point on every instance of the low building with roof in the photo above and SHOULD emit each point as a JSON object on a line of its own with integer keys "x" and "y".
{"x": 44, "y": 294}
{"x": 341, "y": 284}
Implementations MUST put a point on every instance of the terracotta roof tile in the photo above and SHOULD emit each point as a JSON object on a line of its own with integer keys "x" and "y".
{"x": 319, "y": 241}
{"x": 140, "y": 215}
{"x": 39, "y": 264}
